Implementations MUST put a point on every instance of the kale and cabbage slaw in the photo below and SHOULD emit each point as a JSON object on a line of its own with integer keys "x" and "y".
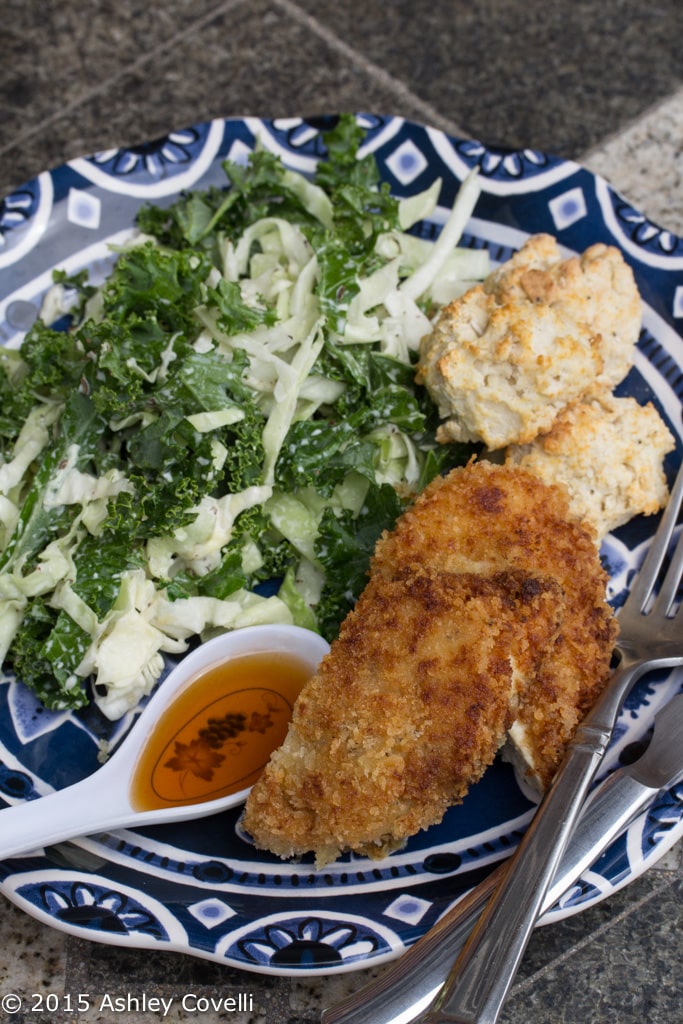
{"x": 226, "y": 427}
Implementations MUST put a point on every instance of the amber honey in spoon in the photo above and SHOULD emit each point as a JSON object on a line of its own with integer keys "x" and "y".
{"x": 217, "y": 735}
{"x": 197, "y": 747}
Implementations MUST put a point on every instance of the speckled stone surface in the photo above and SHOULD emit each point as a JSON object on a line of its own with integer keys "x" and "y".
{"x": 601, "y": 83}
{"x": 646, "y": 158}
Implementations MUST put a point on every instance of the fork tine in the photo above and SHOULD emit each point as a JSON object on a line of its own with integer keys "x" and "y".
{"x": 647, "y": 575}
{"x": 672, "y": 581}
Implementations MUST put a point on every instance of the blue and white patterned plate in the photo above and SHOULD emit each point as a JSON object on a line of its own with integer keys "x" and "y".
{"x": 198, "y": 887}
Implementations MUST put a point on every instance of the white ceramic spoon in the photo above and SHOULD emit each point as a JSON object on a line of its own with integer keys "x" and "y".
{"x": 105, "y": 799}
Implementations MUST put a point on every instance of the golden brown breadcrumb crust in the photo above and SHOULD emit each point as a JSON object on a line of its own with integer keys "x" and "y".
{"x": 406, "y": 711}
{"x": 484, "y": 518}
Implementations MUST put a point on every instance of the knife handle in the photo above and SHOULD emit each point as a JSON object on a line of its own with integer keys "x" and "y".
{"x": 608, "y": 812}
{"x": 481, "y": 976}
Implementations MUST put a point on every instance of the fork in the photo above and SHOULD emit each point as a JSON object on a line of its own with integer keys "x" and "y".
{"x": 651, "y": 637}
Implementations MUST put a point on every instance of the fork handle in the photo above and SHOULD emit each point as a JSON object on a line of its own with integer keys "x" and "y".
{"x": 481, "y": 976}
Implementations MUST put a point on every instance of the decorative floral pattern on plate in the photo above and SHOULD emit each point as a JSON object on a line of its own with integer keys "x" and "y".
{"x": 24, "y": 216}
{"x": 204, "y": 889}
{"x": 96, "y": 906}
{"x": 310, "y": 942}
{"x": 164, "y": 166}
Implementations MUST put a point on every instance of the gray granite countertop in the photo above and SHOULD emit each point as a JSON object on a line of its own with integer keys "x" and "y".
{"x": 598, "y": 83}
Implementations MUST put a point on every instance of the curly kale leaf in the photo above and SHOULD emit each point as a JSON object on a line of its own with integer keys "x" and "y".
{"x": 234, "y": 313}
{"x": 44, "y": 653}
{"x": 159, "y": 284}
{"x": 200, "y": 220}
{"x": 344, "y": 546}
{"x": 321, "y": 454}
{"x": 40, "y": 519}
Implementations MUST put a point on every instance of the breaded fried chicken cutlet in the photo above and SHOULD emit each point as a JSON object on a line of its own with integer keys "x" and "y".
{"x": 484, "y": 518}
{"x": 484, "y": 619}
{"x": 406, "y": 711}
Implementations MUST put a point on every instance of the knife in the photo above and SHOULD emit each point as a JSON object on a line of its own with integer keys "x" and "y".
{"x": 412, "y": 983}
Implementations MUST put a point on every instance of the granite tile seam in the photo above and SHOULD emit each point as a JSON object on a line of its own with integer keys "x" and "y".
{"x": 644, "y": 160}
{"x": 125, "y": 69}
{"x": 528, "y": 983}
{"x": 430, "y": 113}
{"x": 651, "y": 116}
